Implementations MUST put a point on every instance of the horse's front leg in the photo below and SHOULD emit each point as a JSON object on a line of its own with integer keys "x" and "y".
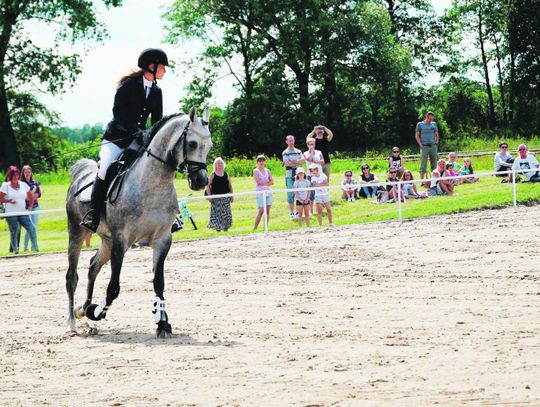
{"x": 161, "y": 248}
{"x": 98, "y": 311}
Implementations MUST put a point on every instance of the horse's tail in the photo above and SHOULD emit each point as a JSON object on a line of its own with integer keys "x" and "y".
{"x": 83, "y": 166}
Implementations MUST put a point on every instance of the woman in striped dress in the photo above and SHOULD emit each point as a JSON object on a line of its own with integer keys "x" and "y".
{"x": 220, "y": 208}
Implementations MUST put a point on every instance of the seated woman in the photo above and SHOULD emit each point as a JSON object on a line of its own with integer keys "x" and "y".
{"x": 409, "y": 188}
{"x": 369, "y": 183}
{"x": 467, "y": 169}
{"x": 440, "y": 187}
{"x": 396, "y": 161}
{"x": 393, "y": 189}
{"x": 348, "y": 187}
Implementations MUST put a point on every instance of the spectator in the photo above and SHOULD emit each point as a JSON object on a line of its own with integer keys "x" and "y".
{"x": 452, "y": 173}
{"x": 440, "y": 187}
{"x": 525, "y": 161}
{"x": 323, "y": 136}
{"x": 15, "y": 194}
{"x": 369, "y": 183}
{"x": 467, "y": 169}
{"x": 396, "y": 161}
{"x": 263, "y": 182}
{"x": 348, "y": 187}
{"x": 35, "y": 190}
{"x": 219, "y": 183}
{"x": 427, "y": 137}
{"x": 312, "y": 156}
{"x": 292, "y": 158}
{"x": 302, "y": 197}
{"x": 452, "y": 160}
{"x": 503, "y": 162}
{"x": 409, "y": 188}
{"x": 322, "y": 196}
{"x": 393, "y": 189}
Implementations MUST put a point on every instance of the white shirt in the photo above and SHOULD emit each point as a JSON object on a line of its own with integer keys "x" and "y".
{"x": 316, "y": 181}
{"x": 317, "y": 155}
{"x": 500, "y": 158}
{"x": 147, "y": 86}
{"x": 527, "y": 163}
{"x": 19, "y": 195}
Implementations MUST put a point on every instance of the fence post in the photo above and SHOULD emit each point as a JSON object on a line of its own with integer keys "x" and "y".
{"x": 400, "y": 218}
{"x": 265, "y": 214}
{"x": 514, "y": 188}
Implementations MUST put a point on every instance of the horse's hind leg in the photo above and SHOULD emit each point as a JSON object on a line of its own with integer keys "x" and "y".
{"x": 76, "y": 237}
{"x": 117, "y": 251}
{"x": 161, "y": 249}
{"x": 97, "y": 261}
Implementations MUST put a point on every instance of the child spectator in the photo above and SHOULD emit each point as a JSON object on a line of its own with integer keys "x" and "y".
{"x": 392, "y": 189}
{"x": 396, "y": 161}
{"x": 467, "y": 169}
{"x": 302, "y": 197}
{"x": 263, "y": 182}
{"x": 348, "y": 187}
{"x": 312, "y": 156}
{"x": 322, "y": 196}
{"x": 452, "y": 173}
{"x": 409, "y": 188}
{"x": 368, "y": 183}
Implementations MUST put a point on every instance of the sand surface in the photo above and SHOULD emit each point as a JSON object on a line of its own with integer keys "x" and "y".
{"x": 444, "y": 310}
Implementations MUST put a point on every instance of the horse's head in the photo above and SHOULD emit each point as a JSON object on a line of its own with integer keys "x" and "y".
{"x": 192, "y": 147}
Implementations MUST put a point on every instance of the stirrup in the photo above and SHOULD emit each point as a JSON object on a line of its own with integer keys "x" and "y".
{"x": 88, "y": 222}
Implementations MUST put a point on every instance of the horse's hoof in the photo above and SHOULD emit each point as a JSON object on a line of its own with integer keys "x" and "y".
{"x": 90, "y": 314}
{"x": 79, "y": 312}
{"x": 164, "y": 330}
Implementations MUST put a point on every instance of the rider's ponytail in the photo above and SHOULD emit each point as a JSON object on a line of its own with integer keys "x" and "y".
{"x": 132, "y": 74}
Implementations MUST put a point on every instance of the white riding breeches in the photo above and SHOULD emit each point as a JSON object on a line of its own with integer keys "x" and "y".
{"x": 110, "y": 152}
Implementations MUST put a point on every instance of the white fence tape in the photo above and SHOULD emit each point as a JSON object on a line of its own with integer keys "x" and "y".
{"x": 274, "y": 191}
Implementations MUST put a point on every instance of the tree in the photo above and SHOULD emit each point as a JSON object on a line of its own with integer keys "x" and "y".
{"x": 22, "y": 62}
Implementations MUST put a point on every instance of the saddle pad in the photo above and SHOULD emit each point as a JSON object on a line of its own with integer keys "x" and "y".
{"x": 86, "y": 195}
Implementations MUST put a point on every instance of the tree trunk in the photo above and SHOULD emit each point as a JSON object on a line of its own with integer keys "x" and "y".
{"x": 501, "y": 81}
{"x": 491, "y": 119}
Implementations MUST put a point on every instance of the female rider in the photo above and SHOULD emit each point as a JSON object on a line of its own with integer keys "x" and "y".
{"x": 137, "y": 97}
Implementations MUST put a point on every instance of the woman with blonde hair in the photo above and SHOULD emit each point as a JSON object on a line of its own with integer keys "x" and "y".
{"x": 219, "y": 183}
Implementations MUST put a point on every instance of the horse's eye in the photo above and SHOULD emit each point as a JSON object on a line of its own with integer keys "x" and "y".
{"x": 192, "y": 145}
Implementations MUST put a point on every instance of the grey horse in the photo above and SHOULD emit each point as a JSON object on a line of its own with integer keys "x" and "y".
{"x": 144, "y": 210}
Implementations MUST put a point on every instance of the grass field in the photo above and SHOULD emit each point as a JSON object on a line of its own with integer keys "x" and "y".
{"x": 488, "y": 193}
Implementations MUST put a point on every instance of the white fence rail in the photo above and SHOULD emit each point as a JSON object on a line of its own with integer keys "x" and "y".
{"x": 275, "y": 191}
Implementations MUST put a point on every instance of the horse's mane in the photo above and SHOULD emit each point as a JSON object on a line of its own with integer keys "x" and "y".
{"x": 159, "y": 124}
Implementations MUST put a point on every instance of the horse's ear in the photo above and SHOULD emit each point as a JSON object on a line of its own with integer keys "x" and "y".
{"x": 206, "y": 116}
{"x": 192, "y": 114}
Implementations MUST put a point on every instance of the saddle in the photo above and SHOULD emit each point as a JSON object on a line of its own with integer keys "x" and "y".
{"x": 114, "y": 178}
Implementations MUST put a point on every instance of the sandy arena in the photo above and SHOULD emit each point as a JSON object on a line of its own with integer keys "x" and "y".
{"x": 444, "y": 310}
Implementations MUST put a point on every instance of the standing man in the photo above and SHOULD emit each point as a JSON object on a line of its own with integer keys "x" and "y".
{"x": 323, "y": 136}
{"x": 525, "y": 161}
{"x": 292, "y": 159}
{"x": 427, "y": 137}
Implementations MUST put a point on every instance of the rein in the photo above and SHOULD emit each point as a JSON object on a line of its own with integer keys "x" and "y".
{"x": 184, "y": 166}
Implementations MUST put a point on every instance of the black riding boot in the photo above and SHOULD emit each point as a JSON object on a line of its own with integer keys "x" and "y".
{"x": 92, "y": 217}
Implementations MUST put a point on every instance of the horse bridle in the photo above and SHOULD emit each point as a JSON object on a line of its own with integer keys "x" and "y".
{"x": 188, "y": 166}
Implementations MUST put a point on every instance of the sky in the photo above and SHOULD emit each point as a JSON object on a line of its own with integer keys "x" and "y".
{"x": 133, "y": 27}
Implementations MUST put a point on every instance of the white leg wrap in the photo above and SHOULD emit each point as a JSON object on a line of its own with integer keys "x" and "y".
{"x": 100, "y": 308}
{"x": 159, "y": 309}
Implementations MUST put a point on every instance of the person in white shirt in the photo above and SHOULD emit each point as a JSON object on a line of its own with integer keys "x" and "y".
{"x": 322, "y": 196}
{"x": 525, "y": 162}
{"x": 503, "y": 162}
{"x": 14, "y": 193}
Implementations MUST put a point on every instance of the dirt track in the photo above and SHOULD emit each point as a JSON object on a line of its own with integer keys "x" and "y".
{"x": 443, "y": 310}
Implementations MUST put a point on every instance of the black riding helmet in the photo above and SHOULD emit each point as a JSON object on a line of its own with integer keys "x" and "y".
{"x": 154, "y": 56}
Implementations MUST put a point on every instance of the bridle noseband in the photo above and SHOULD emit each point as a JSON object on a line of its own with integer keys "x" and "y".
{"x": 188, "y": 166}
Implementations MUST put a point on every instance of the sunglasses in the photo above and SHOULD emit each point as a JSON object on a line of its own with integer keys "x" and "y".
{"x": 392, "y": 172}
{"x": 395, "y": 151}
{"x": 522, "y": 149}
{"x": 348, "y": 175}
{"x": 365, "y": 168}
{"x": 504, "y": 146}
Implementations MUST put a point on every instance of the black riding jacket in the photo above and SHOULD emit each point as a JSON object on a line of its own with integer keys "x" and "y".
{"x": 131, "y": 110}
